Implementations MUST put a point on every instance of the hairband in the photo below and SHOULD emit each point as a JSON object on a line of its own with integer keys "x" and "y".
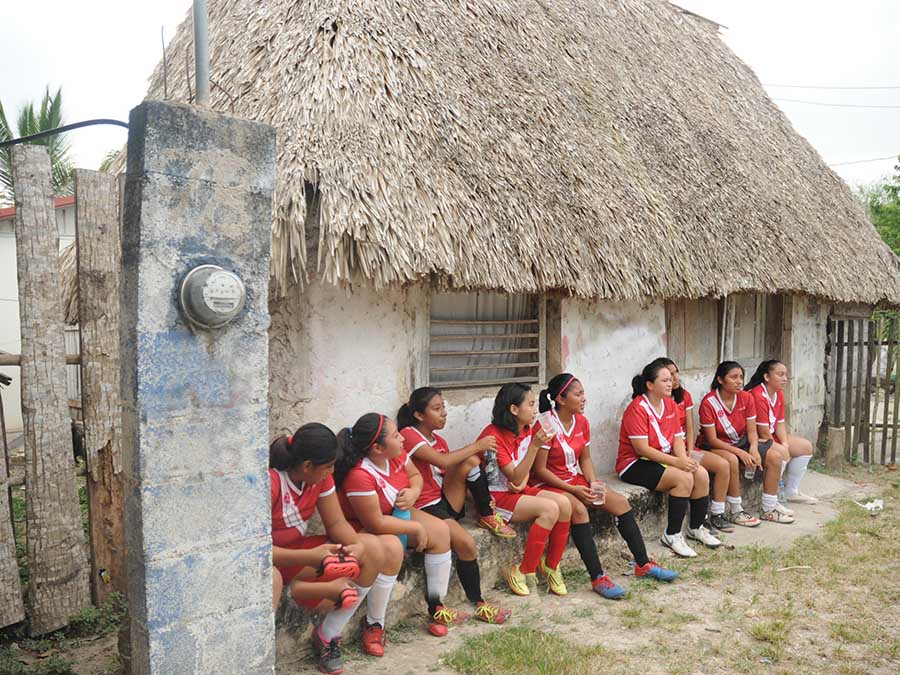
{"x": 377, "y": 431}
{"x": 566, "y": 385}
{"x": 350, "y": 432}
{"x": 291, "y": 439}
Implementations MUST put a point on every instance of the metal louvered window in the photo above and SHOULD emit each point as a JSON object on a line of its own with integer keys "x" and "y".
{"x": 486, "y": 339}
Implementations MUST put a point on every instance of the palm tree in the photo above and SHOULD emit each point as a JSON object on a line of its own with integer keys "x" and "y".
{"x": 31, "y": 122}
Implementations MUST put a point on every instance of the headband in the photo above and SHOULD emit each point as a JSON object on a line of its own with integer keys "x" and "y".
{"x": 377, "y": 431}
{"x": 566, "y": 386}
{"x": 290, "y": 439}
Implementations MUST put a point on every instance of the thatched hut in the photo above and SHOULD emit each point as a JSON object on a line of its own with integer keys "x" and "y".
{"x": 583, "y": 184}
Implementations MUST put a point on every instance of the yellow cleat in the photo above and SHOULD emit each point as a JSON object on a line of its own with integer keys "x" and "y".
{"x": 554, "y": 579}
{"x": 516, "y": 580}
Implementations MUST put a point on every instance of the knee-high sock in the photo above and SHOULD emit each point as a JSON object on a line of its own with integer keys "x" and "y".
{"x": 478, "y": 486}
{"x": 677, "y": 508}
{"x": 437, "y": 578}
{"x": 334, "y": 622}
{"x": 534, "y": 547}
{"x": 378, "y": 598}
{"x": 587, "y": 549}
{"x": 556, "y": 546}
{"x": 631, "y": 533}
{"x": 470, "y": 579}
{"x": 796, "y": 469}
{"x": 698, "y": 511}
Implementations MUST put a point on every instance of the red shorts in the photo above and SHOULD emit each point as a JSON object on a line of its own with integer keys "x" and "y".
{"x": 576, "y": 480}
{"x": 506, "y": 501}
{"x": 288, "y": 573}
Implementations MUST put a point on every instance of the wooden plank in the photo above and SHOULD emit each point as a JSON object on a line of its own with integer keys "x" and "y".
{"x": 97, "y": 230}
{"x": 16, "y": 359}
{"x": 58, "y": 585}
{"x": 896, "y": 332}
{"x": 487, "y": 366}
{"x": 487, "y": 351}
{"x": 542, "y": 340}
{"x": 887, "y": 383}
{"x": 484, "y": 322}
{"x": 838, "y": 374}
{"x": 879, "y": 330}
{"x": 848, "y": 402}
{"x": 867, "y": 392}
{"x": 860, "y": 385}
{"x": 484, "y": 383}
{"x": 12, "y": 606}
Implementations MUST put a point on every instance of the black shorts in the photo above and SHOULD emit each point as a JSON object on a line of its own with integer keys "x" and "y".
{"x": 444, "y": 511}
{"x": 744, "y": 444}
{"x": 644, "y": 473}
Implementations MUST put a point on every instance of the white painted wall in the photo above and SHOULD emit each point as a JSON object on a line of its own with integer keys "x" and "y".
{"x": 10, "y": 337}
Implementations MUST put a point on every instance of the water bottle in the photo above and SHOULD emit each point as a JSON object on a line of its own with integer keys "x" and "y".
{"x": 781, "y": 491}
{"x": 402, "y": 514}
{"x": 491, "y": 469}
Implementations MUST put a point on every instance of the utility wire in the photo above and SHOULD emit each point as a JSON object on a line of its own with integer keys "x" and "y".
{"x": 863, "y": 161}
{"x": 813, "y": 86}
{"x": 59, "y": 130}
{"x": 836, "y": 105}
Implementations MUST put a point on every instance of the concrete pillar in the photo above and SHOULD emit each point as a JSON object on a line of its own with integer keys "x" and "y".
{"x": 195, "y": 418}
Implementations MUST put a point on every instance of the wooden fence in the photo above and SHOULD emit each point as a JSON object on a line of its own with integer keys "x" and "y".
{"x": 864, "y": 399}
{"x": 65, "y": 572}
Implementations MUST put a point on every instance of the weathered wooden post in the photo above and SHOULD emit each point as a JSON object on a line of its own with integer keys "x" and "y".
{"x": 99, "y": 262}
{"x": 12, "y": 609}
{"x": 195, "y": 400}
{"x": 57, "y": 561}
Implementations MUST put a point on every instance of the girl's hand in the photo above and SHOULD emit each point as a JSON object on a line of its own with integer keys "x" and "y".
{"x": 518, "y": 487}
{"x": 757, "y": 459}
{"x": 541, "y": 438}
{"x": 421, "y": 535}
{"x": 685, "y": 464}
{"x": 406, "y": 499}
{"x": 324, "y": 550}
{"x": 356, "y": 550}
{"x": 493, "y": 504}
{"x": 745, "y": 457}
{"x": 486, "y": 443}
{"x": 584, "y": 494}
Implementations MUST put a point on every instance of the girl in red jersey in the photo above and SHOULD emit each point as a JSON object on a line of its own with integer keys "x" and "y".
{"x": 376, "y": 477}
{"x": 728, "y": 437}
{"x": 767, "y": 387}
{"x": 515, "y": 408}
{"x": 652, "y": 455}
{"x": 445, "y": 477}
{"x": 317, "y": 568}
{"x": 564, "y": 465}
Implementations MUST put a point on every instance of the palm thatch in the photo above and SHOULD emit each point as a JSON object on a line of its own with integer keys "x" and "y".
{"x": 603, "y": 148}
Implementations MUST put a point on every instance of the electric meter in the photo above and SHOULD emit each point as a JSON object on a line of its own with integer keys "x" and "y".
{"x": 211, "y": 297}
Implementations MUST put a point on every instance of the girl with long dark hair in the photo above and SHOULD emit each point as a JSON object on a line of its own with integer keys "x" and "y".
{"x": 564, "y": 466}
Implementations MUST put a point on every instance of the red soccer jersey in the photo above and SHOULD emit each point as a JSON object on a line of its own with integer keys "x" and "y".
{"x": 368, "y": 479}
{"x": 730, "y": 423}
{"x": 511, "y": 449}
{"x": 641, "y": 420}
{"x": 566, "y": 448}
{"x": 432, "y": 476}
{"x": 769, "y": 411}
{"x": 293, "y": 506}
{"x": 684, "y": 409}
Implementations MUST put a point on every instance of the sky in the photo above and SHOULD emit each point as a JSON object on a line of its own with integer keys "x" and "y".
{"x": 101, "y": 53}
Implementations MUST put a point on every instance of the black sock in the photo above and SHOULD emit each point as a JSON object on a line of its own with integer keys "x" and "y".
{"x": 678, "y": 507}
{"x": 587, "y": 548}
{"x": 481, "y": 494}
{"x": 631, "y": 533}
{"x": 433, "y": 604}
{"x": 470, "y": 579}
{"x": 698, "y": 511}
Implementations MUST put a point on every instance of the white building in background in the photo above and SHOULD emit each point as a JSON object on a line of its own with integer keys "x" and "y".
{"x": 10, "y": 336}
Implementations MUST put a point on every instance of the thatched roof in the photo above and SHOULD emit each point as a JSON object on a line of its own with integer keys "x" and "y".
{"x": 604, "y": 148}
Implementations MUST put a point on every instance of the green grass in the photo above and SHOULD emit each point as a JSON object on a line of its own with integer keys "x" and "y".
{"x": 525, "y": 651}
{"x": 846, "y": 631}
{"x": 774, "y": 632}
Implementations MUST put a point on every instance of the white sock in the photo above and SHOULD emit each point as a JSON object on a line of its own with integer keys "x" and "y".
{"x": 334, "y": 622}
{"x": 716, "y": 508}
{"x": 795, "y": 472}
{"x": 474, "y": 474}
{"x": 769, "y": 502}
{"x": 735, "y": 504}
{"x": 377, "y": 602}
{"x": 437, "y": 575}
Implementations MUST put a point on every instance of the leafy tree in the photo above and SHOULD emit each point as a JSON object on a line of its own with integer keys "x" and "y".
{"x": 31, "y": 121}
{"x": 882, "y": 202}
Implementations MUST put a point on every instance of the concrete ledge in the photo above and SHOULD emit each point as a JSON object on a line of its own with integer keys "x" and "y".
{"x": 292, "y": 622}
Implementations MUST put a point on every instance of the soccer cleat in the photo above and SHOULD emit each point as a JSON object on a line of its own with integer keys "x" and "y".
{"x": 719, "y": 522}
{"x": 444, "y": 617}
{"x": 608, "y": 588}
{"x": 776, "y": 516}
{"x": 372, "y": 636}
{"x": 516, "y": 580}
{"x": 800, "y": 498}
{"x": 338, "y": 566}
{"x": 704, "y": 536}
{"x": 783, "y": 510}
{"x": 485, "y": 611}
{"x": 653, "y": 570}
{"x": 496, "y": 526}
{"x": 678, "y": 545}
{"x": 743, "y": 519}
{"x": 554, "y": 577}
{"x": 328, "y": 654}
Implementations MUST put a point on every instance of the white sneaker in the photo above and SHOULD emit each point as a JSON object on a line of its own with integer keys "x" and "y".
{"x": 677, "y": 543}
{"x": 704, "y": 536}
{"x": 800, "y": 498}
{"x": 783, "y": 510}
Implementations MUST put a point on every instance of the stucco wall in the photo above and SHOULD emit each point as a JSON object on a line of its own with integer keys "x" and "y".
{"x": 805, "y": 333}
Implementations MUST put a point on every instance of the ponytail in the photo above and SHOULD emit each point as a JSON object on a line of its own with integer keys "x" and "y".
{"x": 418, "y": 403}
{"x": 648, "y": 375}
{"x": 312, "y": 442}
{"x": 721, "y": 371}
{"x": 759, "y": 376}
{"x": 355, "y": 443}
{"x": 556, "y": 387}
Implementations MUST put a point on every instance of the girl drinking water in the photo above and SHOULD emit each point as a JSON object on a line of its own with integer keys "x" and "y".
{"x": 445, "y": 477}
{"x": 318, "y": 568}
{"x": 376, "y": 477}
{"x": 652, "y": 455}
{"x": 564, "y": 466}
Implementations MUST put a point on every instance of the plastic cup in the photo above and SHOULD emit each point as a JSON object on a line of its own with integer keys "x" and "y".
{"x": 598, "y": 487}
{"x": 697, "y": 455}
{"x": 548, "y": 424}
{"x": 750, "y": 473}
